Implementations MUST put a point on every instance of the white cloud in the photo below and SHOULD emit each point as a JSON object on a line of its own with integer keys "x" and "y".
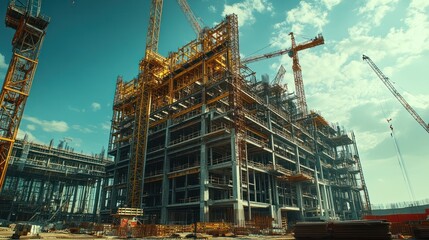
{"x": 246, "y": 9}
{"x": 212, "y": 9}
{"x": 82, "y": 129}
{"x": 3, "y": 64}
{"x": 105, "y": 125}
{"x": 307, "y": 14}
{"x": 31, "y": 137}
{"x": 331, "y": 3}
{"x": 95, "y": 106}
{"x": 376, "y": 10}
{"x": 31, "y": 127}
{"x": 74, "y": 109}
{"x": 49, "y": 126}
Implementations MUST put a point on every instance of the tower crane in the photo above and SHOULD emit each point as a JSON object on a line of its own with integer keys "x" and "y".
{"x": 395, "y": 93}
{"x": 30, "y": 26}
{"x": 190, "y": 16}
{"x": 296, "y": 67}
{"x": 146, "y": 81}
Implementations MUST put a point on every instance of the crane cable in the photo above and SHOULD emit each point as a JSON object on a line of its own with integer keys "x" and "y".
{"x": 402, "y": 164}
{"x": 400, "y": 158}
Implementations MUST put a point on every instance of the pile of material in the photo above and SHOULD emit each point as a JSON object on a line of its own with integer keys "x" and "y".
{"x": 421, "y": 231}
{"x": 312, "y": 230}
{"x": 370, "y": 230}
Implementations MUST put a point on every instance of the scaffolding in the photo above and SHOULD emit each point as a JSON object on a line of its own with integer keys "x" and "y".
{"x": 224, "y": 147}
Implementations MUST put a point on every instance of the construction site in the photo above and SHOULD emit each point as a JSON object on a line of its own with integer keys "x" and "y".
{"x": 198, "y": 143}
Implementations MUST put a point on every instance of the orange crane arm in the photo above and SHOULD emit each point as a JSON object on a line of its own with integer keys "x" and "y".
{"x": 395, "y": 93}
{"x": 190, "y": 16}
{"x": 318, "y": 40}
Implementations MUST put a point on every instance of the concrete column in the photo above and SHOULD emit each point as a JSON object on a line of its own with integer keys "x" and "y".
{"x": 204, "y": 191}
{"x": 236, "y": 181}
{"x": 74, "y": 191}
{"x": 353, "y": 205}
{"x": 165, "y": 180}
{"x": 325, "y": 201}
{"x": 275, "y": 207}
{"x": 331, "y": 199}
{"x": 319, "y": 197}
{"x": 299, "y": 200}
{"x": 96, "y": 200}
{"x": 29, "y": 190}
{"x": 41, "y": 192}
{"x": 204, "y": 174}
{"x": 298, "y": 163}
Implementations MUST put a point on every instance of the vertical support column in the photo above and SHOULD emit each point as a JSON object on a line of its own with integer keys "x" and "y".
{"x": 74, "y": 191}
{"x": 29, "y": 190}
{"x": 353, "y": 205}
{"x": 319, "y": 197}
{"x": 165, "y": 179}
{"x": 325, "y": 201}
{"x": 299, "y": 200}
{"x": 236, "y": 181}
{"x": 275, "y": 206}
{"x": 331, "y": 201}
{"x": 204, "y": 192}
{"x": 96, "y": 200}
{"x": 41, "y": 192}
{"x": 299, "y": 186}
{"x": 298, "y": 162}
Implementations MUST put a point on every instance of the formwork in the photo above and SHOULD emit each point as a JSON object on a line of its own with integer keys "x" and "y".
{"x": 224, "y": 146}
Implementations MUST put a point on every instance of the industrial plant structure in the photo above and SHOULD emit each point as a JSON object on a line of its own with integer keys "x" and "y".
{"x": 196, "y": 137}
{"x": 48, "y": 183}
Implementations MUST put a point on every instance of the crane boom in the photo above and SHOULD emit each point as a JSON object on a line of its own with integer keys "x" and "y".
{"x": 30, "y": 28}
{"x": 190, "y": 16}
{"x": 308, "y": 44}
{"x": 395, "y": 93}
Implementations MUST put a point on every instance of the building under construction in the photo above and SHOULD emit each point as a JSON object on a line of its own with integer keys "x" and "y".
{"x": 196, "y": 137}
{"x": 48, "y": 183}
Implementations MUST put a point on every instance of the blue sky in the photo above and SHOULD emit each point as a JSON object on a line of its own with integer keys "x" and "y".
{"x": 90, "y": 43}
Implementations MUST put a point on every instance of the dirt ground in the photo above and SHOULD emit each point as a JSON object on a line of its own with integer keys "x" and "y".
{"x": 6, "y": 233}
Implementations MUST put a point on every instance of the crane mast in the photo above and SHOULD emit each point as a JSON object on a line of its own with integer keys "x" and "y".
{"x": 395, "y": 93}
{"x": 296, "y": 67}
{"x": 146, "y": 81}
{"x": 190, "y": 16}
{"x": 30, "y": 28}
